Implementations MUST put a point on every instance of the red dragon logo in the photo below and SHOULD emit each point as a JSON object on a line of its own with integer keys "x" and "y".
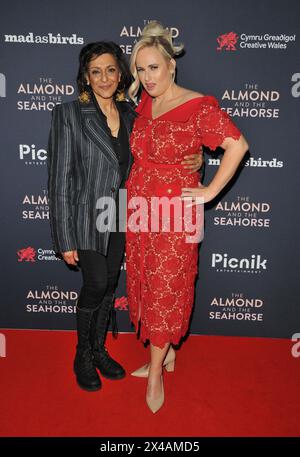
{"x": 227, "y": 41}
{"x": 121, "y": 304}
{"x": 26, "y": 254}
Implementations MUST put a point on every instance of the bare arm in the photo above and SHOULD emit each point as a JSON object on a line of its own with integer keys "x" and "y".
{"x": 234, "y": 151}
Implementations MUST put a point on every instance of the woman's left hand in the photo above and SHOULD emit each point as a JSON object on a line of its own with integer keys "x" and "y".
{"x": 202, "y": 192}
{"x": 193, "y": 162}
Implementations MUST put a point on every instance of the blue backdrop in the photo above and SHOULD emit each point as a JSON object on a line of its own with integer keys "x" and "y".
{"x": 244, "y": 53}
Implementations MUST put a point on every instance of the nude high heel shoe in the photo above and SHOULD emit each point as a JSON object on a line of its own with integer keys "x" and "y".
{"x": 155, "y": 404}
{"x": 168, "y": 364}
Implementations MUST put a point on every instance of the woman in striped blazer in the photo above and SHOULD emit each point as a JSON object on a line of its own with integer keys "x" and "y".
{"x": 89, "y": 161}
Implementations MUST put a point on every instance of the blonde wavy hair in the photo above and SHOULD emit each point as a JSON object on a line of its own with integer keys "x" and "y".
{"x": 153, "y": 34}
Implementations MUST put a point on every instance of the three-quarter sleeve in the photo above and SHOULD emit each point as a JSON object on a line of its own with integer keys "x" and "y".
{"x": 214, "y": 124}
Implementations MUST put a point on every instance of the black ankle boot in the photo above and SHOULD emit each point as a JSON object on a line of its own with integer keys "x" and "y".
{"x": 86, "y": 374}
{"x": 108, "y": 367}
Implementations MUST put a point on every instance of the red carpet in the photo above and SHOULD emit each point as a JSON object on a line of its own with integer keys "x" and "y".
{"x": 222, "y": 386}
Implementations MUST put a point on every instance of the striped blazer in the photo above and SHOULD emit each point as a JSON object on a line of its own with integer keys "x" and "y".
{"x": 82, "y": 167}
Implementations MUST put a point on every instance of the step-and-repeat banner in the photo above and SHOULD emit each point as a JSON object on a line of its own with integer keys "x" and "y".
{"x": 244, "y": 53}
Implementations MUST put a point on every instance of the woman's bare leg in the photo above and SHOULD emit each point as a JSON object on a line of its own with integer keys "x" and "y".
{"x": 158, "y": 355}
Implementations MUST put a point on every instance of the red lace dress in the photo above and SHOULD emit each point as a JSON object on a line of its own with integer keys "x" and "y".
{"x": 162, "y": 264}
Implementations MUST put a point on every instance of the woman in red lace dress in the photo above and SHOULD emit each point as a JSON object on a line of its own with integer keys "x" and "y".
{"x": 162, "y": 262}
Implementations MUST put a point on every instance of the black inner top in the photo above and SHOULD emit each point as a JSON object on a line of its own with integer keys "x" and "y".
{"x": 120, "y": 143}
{"x": 121, "y": 148}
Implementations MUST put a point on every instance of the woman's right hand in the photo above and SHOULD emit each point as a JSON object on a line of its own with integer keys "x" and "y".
{"x": 70, "y": 257}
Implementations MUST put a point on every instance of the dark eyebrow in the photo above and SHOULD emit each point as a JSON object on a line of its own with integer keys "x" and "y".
{"x": 108, "y": 66}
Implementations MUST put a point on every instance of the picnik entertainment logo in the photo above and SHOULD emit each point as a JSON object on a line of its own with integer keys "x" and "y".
{"x": 223, "y": 263}
{"x": 30, "y": 154}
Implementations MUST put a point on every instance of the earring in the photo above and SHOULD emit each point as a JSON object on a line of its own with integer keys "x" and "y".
{"x": 120, "y": 96}
{"x": 85, "y": 96}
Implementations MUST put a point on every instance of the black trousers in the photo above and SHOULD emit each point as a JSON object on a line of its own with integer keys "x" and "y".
{"x": 100, "y": 273}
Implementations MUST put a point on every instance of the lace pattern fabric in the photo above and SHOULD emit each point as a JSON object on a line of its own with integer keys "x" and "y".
{"x": 162, "y": 266}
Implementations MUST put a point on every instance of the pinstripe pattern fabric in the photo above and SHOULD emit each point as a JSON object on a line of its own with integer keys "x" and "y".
{"x": 82, "y": 167}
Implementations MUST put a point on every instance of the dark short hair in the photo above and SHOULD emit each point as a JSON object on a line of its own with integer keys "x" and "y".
{"x": 92, "y": 50}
